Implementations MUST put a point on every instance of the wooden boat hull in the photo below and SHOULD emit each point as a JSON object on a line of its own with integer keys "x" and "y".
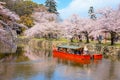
{"x": 85, "y": 59}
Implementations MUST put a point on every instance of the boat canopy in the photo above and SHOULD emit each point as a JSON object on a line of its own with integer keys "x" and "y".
{"x": 69, "y": 46}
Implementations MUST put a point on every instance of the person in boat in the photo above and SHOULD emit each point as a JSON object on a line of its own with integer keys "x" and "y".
{"x": 64, "y": 49}
{"x": 81, "y": 51}
{"x": 78, "y": 51}
{"x": 85, "y": 51}
{"x": 60, "y": 49}
{"x": 70, "y": 51}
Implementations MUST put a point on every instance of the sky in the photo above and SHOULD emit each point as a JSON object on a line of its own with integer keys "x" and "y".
{"x": 68, "y": 7}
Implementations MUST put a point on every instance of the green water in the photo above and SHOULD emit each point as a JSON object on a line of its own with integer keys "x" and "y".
{"x": 38, "y": 63}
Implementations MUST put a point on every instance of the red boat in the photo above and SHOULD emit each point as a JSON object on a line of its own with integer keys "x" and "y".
{"x": 74, "y": 53}
{"x": 71, "y": 53}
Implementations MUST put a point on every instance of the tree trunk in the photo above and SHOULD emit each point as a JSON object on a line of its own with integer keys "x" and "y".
{"x": 112, "y": 37}
{"x": 87, "y": 37}
{"x": 71, "y": 39}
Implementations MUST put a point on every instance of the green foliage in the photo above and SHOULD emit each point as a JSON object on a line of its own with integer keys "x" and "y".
{"x": 24, "y": 7}
{"x": 21, "y": 7}
{"x": 9, "y": 3}
{"x": 51, "y": 5}
{"x": 27, "y": 20}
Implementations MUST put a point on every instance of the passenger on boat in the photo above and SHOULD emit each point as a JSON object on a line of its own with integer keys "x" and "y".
{"x": 60, "y": 49}
{"x": 81, "y": 51}
{"x": 85, "y": 50}
{"x": 78, "y": 51}
{"x": 64, "y": 49}
{"x": 70, "y": 51}
{"x": 54, "y": 47}
{"x": 75, "y": 51}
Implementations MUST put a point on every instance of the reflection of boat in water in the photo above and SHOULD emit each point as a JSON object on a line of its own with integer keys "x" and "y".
{"x": 74, "y": 53}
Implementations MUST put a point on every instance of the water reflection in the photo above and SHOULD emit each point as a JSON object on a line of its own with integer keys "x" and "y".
{"x": 31, "y": 63}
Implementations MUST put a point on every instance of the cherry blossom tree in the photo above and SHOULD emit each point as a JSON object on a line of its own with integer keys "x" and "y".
{"x": 42, "y": 17}
{"x": 110, "y": 22}
{"x": 8, "y": 25}
{"x": 43, "y": 29}
{"x": 7, "y": 13}
{"x": 70, "y": 24}
{"x": 77, "y": 25}
{"x": 87, "y": 26}
{"x": 46, "y": 25}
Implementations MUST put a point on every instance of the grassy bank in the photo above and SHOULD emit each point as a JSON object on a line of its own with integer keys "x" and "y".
{"x": 64, "y": 41}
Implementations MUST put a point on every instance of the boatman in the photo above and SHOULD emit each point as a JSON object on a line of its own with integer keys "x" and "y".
{"x": 85, "y": 50}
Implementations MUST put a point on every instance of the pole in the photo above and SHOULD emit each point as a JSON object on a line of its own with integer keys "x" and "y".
{"x": 105, "y": 37}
